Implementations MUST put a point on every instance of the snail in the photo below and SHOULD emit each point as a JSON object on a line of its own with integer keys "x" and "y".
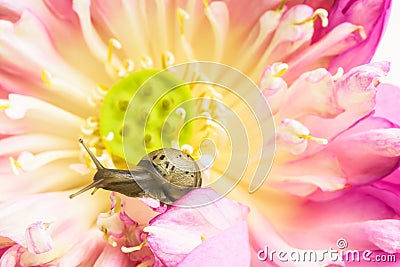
{"x": 166, "y": 174}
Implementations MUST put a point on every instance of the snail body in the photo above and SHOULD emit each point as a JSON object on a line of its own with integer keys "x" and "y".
{"x": 166, "y": 174}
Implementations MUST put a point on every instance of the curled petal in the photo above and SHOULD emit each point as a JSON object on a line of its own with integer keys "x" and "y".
{"x": 312, "y": 93}
{"x": 290, "y": 136}
{"x": 355, "y": 93}
{"x": 38, "y": 239}
{"x": 273, "y": 85}
{"x": 356, "y": 90}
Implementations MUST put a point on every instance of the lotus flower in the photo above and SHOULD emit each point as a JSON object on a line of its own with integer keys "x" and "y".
{"x": 335, "y": 168}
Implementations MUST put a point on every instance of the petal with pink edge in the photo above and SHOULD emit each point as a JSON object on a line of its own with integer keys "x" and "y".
{"x": 311, "y": 94}
{"x": 174, "y": 234}
{"x": 367, "y": 155}
{"x": 355, "y": 93}
{"x": 228, "y": 248}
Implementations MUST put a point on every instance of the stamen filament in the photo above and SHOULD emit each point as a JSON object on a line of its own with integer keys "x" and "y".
{"x": 15, "y": 166}
{"x": 188, "y": 149}
{"x": 279, "y": 69}
{"x": 129, "y": 65}
{"x": 281, "y": 6}
{"x": 135, "y": 248}
{"x": 167, "y": 59}
{"x": 182, "y": 15}
{"x": 319, "y": 13}
{"x": 182, "y": 112}
{"x": 111, "y": 44}
{"x": 46, "y": 77}
{"x": 146, "y": 62}
{"x": 318, "y": 140}
{"x": 363, "y": 34}
{"x": 338, "y": 74}
{"x": 4, "y": 106}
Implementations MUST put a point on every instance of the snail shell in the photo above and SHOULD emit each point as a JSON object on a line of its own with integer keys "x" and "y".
{"x": 166, "y": 174}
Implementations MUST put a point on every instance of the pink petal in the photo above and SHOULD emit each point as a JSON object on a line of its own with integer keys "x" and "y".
{"x": 374, "y": 19}
{"x": 218, "y": 16}
{"x": 357, "y": 88}
{"x": 387, "y": 102}
{"x": 111, "y": 256}
{"x": 22, "y": 215}
{"x": 335, "y": 217}
{"x": 175, "y": 233}
{"x": 340, "y": 39}
{"x": 382, "y": 142}
{"x": 11, "y": 257}
{"x": 26, "y": 59}
{"x": 387, "y": 192}
{"x": 235, "y": 238}
{"x": 62, "y": 26}
{"x": 246, "y": 14}
{"x": 311, "y": 94}
{"x": 303, "y": 176}
{"x": 84, "y": 253}
{"x": 38, "y": 239}
{"x": 364, "y": 162}
{"x": 291, "y": 35}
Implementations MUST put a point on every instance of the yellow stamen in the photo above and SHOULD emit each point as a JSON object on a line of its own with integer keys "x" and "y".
{"x": 15, "y": 166}
{"x": 167, "y": 59}
{"x": 319, "y": 13}
{"x": 129, "y": 65}
{"x": 146, "y": 263}
{"x": 110, "y": 136}
{"x": 280, "y": 70}
{"x": 281, "y": 6}
{"x": 377, "y": 80}
{"x": 202, "y": 238}
{"x": 182, "y": 15}
{"x": 338, "y": 74}
{"x": 111, "y": 44}
{"x": 321, "y": 141}
{"x": 181, "y": 112}
{"x": 363, "y": 34}
{"x": 4, "y": 106}
{"x": 188, "y": 149}
{"x": 135, "y": 248}
{"x": 46, "y": 77}
{"x": 205, "y": 3}
{"x": 146, "y": 62}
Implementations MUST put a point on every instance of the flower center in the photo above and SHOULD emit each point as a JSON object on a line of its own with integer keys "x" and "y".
{"x": 143, "y": 112}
